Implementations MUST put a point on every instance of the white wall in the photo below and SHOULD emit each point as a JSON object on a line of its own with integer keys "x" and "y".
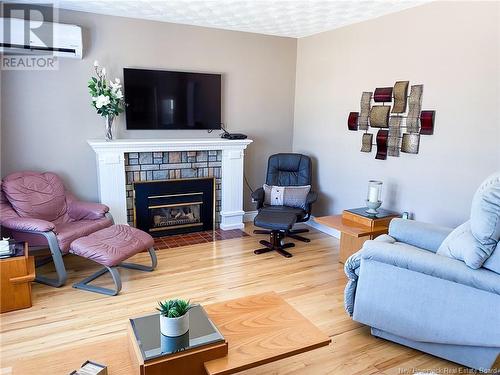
{"x": 453, "y": 49}
{"x": 47, "y": 118}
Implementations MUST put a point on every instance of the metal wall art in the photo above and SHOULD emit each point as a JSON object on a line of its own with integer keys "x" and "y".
{"x": 399, "y": 118}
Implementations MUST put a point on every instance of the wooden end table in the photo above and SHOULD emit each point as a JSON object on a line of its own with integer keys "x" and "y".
{"x": 16, "y": 274}
{"x": 356, "y": 227}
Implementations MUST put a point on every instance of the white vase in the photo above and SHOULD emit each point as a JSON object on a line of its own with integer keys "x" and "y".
{"x": 173, "y": 327}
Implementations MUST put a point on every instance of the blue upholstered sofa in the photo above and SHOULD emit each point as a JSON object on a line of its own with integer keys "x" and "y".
{"x": 410, "y": 288}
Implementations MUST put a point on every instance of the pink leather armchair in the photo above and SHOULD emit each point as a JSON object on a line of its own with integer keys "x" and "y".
{"x": 35, "y": 207}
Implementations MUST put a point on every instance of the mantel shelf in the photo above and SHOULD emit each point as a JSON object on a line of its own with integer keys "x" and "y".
{"x": 173, "y": 144}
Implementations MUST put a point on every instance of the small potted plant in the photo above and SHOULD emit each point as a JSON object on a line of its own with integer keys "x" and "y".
{"x": 174, "y": 317}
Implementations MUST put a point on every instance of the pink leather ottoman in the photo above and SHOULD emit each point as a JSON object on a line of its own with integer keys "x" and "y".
{"x": 110, "y": 247}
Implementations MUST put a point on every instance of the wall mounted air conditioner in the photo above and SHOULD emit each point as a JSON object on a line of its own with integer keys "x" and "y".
{"x": 56, "y": 39}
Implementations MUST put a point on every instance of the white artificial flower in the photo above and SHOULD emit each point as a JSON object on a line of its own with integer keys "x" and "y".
{"x": 94, "y": 98}
{"x": 115, "y": 86}
{"x": 103, "y": 71}
{"x": 117, "y": 80}
{"x": 96, "y": 63}
{"x": 119, "y": 94}
{"x": 102, "y": 101}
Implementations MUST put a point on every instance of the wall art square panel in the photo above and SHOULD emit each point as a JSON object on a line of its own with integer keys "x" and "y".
{"x": 379, "y": 116}
{"x": 393, "y": 146}
{"x": 414, "y": 108}
{"x": 366, "y": 142}
{"x": 400, "y": 96}
{"x": 399, "y": 132}
{"x": 352, "y": 121}
{"x": 364, "y": 113}
{"x": 427, "y": 122}
{"x": 410, "y": 143}
{"x": 394, "y": 140}
{"x": 382, "y": 94}
{"x": 382, "y": 136}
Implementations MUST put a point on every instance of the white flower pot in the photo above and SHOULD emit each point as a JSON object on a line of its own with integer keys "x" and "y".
{"x": 174, "y": 327}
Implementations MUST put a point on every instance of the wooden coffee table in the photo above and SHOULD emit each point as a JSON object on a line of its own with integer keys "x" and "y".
{"x": 258, "y": 329}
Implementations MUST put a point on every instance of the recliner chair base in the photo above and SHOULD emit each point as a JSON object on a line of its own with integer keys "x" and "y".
{"x": 275, "y": 243}
{"x": 289, "y": 233}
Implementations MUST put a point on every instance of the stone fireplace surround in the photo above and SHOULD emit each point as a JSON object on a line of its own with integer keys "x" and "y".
{"x": 114, "y": 166}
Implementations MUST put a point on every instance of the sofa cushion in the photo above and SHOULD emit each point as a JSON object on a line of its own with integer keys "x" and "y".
{"x": 291, "y": 196}
{"x": 299, "y": 212}
{"x": 112, "y": 245}
{"x": 493, "y": 262}
{"x": 475, "y": 240}
{"x": 485, "y": 215}
{"x": 462, "y": 245}
{"x": 36, "y": 195}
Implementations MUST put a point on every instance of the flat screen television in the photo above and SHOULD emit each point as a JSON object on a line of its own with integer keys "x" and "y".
{"x": 156, "y": 99}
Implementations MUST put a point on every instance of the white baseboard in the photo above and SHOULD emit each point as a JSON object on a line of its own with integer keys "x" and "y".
{"x": 250, "y": 215}
{"x": 323, "y": 228}
{"x": 232, "y": 226}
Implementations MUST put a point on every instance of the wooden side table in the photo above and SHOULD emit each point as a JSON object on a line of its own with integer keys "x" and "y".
{"x": 356, "y": 227}
{"x": 16, "y": 275}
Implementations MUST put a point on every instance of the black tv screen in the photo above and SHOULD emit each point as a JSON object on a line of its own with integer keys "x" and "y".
{"x": 156, "y": 99}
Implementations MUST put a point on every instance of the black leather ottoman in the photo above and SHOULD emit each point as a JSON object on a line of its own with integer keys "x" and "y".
{"x": 279, "y": 224}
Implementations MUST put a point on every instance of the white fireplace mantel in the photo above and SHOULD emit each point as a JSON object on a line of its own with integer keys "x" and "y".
{"x": 110, "y": 157}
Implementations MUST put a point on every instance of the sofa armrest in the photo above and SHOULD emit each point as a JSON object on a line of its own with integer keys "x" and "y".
{"x": 414, "y": 259}
{"x": 258, "y": 194}
{"x": 415, "y": 233}
{"x": 28, "y": 224}
{"x": 312, "y": 196}
{"x": 79, "y": 210}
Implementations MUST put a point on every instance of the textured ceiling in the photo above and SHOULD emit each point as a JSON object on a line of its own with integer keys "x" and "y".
{"x": 284, "y": 18}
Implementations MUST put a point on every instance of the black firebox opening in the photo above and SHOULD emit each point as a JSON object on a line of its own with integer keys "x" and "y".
{"x": 169, "y": 207}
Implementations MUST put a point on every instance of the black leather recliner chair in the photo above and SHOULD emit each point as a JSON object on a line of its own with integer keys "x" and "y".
{"x": 288, "y": 169}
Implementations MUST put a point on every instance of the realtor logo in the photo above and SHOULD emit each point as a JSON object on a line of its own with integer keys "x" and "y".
{"x": 27, "y": 37}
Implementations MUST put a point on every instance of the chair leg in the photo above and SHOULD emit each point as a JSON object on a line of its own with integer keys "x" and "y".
{"x": 263, "y": 250}
{"x": 284, "y": 253}
{"x": 140, "y": 267}
{"x": 266, "y": 243}
{"x": 297, "y": 237}
{"x": 259, "y": 231}
{"x": 274, "y": 244}
{"x": 57, "y": 258}
{"x": 297, "y": 231}
{"x": 83, "y": 285}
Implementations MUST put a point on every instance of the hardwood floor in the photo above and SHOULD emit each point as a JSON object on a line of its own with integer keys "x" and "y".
{"x": 66, "y": 326}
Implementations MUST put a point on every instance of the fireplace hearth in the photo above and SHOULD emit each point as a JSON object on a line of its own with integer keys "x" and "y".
{"x": 169, "y": 207}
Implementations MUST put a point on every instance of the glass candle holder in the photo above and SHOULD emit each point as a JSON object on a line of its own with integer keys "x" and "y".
{"x": 374, "y": 195}
{"x": 374, "y": 191}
